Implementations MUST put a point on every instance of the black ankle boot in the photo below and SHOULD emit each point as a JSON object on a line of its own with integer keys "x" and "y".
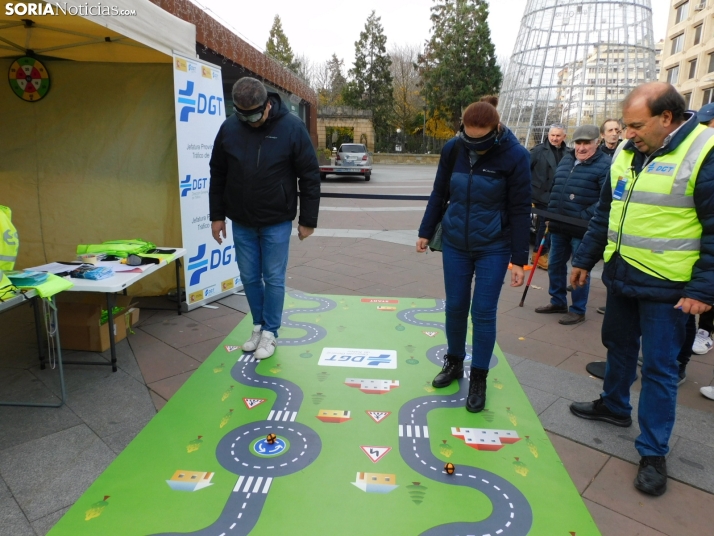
{"x": 476, "y": 400}
{"x": 453, "y": 370}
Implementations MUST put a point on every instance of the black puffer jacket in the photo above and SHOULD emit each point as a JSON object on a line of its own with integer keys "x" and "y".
{"x": 624, "y": 279}
{"x": 543, "y": 166}
{"x": 577, "y": 190}
{"x": 255, "y": 171}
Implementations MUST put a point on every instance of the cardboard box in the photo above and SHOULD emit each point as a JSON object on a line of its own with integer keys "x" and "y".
{"x": 79, "y": 315}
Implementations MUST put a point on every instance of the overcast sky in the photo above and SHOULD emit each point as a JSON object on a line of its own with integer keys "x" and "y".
{"x": 316, "y": 29}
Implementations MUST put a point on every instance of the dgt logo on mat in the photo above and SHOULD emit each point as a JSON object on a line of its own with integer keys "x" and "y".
{"x": 358, "y": 358}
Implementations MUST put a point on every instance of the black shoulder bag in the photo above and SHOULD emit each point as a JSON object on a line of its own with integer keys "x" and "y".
{"x": 435, "y": 241}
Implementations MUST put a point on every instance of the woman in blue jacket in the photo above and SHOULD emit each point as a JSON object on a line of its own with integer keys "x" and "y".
{"x": 485, "y": 225}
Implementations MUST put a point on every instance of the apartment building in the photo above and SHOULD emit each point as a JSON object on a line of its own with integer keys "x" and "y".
{"x": 688, "y": 54}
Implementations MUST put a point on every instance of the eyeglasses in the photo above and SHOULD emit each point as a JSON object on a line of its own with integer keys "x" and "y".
{"x": 250, "y": 116}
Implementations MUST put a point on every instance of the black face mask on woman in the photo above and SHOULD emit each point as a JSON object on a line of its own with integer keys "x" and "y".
{"x": 484, "y": 143}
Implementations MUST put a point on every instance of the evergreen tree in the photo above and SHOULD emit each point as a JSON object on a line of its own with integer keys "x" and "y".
{"x": 459, "y": 61}
{"x": 336, "y": 80}
{"x": 278, "y": 47}
{"x": 371, "y": 84}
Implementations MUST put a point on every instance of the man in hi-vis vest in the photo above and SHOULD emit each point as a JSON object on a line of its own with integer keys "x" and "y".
{"x": 655, "y": 229}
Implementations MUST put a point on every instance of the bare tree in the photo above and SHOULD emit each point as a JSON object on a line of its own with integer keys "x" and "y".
{"x": 408, "y": 102}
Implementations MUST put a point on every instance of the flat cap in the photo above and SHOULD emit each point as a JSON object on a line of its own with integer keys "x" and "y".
{"x": 586, "y": 133}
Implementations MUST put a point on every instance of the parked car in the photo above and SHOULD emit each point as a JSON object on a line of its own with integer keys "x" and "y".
{"x": 351, "y": 159}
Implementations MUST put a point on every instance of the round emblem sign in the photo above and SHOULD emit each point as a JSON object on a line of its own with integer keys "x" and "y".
{"x": 29, "y": 79}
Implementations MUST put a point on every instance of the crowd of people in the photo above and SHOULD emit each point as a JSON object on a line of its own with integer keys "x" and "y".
{"x": 596, "y": 201}
{"x": 644, "y": 204}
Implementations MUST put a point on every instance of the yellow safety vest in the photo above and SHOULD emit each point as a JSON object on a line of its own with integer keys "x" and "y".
{"x": 654, "y": 226}
{"x": 9, "y": 244}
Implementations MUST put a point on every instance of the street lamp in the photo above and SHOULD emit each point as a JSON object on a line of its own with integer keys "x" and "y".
{"x": 398, "y": 146}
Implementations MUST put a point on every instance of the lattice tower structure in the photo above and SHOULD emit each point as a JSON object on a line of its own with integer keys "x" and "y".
{"x": 573, "y": 63}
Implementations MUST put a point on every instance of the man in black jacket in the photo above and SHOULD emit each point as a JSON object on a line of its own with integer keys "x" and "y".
{"x": 610, "y": 131}
{"x": 578, "y": 181}
{"x": 260, "y": 155}
{"x": 545, "y": 157}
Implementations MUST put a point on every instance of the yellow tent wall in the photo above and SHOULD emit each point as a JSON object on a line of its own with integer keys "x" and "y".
{"x": 94, "y": 160}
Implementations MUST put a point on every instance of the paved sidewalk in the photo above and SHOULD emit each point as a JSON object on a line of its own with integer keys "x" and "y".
{"x": 48, "y": 457}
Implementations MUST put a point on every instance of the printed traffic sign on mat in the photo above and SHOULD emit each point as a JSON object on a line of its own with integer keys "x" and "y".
{"x": 303, "y": 454}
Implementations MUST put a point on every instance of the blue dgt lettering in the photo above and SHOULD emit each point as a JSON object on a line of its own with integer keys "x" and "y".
{"x": 358, "y": 358}
{"x": 214, "y": 105}
{"x": 202, "y": 103}
{"x": 227, "y": 257}
{"x": 215, "y": 258}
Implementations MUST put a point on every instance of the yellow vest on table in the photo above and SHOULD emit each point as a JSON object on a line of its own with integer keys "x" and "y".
{"x": 9, "y": 245}
{"x": 654, "y": 226}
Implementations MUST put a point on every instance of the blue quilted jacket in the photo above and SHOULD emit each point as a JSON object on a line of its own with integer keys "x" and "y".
{"x": 576, "y": 190}
{"x": 489, "y": 202}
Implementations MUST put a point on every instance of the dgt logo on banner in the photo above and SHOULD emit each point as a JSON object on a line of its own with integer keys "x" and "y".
{"x": 358, "y": 358}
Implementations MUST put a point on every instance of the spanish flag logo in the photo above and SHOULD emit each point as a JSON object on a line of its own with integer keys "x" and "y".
{"x": 181, "y": 65}
{"x": 206, "y": 72}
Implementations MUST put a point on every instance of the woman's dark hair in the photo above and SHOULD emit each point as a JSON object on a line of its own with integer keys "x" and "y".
{"x": 482, "y": 113}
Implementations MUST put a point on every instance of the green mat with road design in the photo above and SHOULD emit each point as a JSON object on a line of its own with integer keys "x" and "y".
{"x": 340, "y": 432}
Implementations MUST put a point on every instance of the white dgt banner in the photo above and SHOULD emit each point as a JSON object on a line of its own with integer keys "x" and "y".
{"x": 210, "y": 269}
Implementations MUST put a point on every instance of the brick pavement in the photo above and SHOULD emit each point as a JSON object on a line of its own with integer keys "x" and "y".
{"x": 83, "y": 437}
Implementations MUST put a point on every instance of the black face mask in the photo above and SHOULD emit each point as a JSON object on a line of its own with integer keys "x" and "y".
{"x": 484, "y": 143}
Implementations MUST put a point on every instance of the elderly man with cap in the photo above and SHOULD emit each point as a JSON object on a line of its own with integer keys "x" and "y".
{"x": 576, "y": 191}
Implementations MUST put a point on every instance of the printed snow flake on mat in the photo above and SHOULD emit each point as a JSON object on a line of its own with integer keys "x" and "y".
{"x": 358, "y": 357}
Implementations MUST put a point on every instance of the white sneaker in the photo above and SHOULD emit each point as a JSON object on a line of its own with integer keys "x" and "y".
{"x": 707, "y": 391}
{"x": 702, "y": 342}
{"x": 251, "y": 344}
{"x": 266, "y": 346}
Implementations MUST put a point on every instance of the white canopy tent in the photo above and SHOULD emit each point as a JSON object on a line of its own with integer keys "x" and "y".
{"x": 150, "y": 34}
{"x": 95, "y": 159}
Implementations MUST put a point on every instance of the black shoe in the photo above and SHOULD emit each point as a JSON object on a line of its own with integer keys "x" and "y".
{"x": 476, "y": 399}
{"x": 597, "y": 411}
{"x": 550, "y": 309}
{"x": 682, "y": 377}
{"x": 652, "y": 475}
{"x": 571, "y": 318}
{"x": 601, "y": 310}
{"x": 453, "y": 370}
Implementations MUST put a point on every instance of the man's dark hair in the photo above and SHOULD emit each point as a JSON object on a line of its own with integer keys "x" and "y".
{"x": 669, "y": 99}
{"x": 248, "y": 93}
{"x": 602, "y": 127}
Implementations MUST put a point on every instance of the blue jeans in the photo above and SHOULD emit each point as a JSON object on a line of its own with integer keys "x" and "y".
{"x": 562, "y": 249}
{"x": 262, "y": 255}
{"x": 662, "y": 328}
{"x": 459, "y": 269}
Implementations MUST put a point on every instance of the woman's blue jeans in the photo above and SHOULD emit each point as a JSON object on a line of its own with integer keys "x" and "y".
{"x": 489, "y": 268}
{"x": 262, "y": 254}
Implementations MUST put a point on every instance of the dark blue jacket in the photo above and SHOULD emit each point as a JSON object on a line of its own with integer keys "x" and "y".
{"x": 576, "y": 190}
{"x": 255, "y": 171}
{"x": 624, "y": 279}
{"x": 489, "y": 203}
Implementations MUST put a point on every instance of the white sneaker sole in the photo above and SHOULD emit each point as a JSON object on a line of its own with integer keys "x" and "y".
{"x": 261, "y": 357}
